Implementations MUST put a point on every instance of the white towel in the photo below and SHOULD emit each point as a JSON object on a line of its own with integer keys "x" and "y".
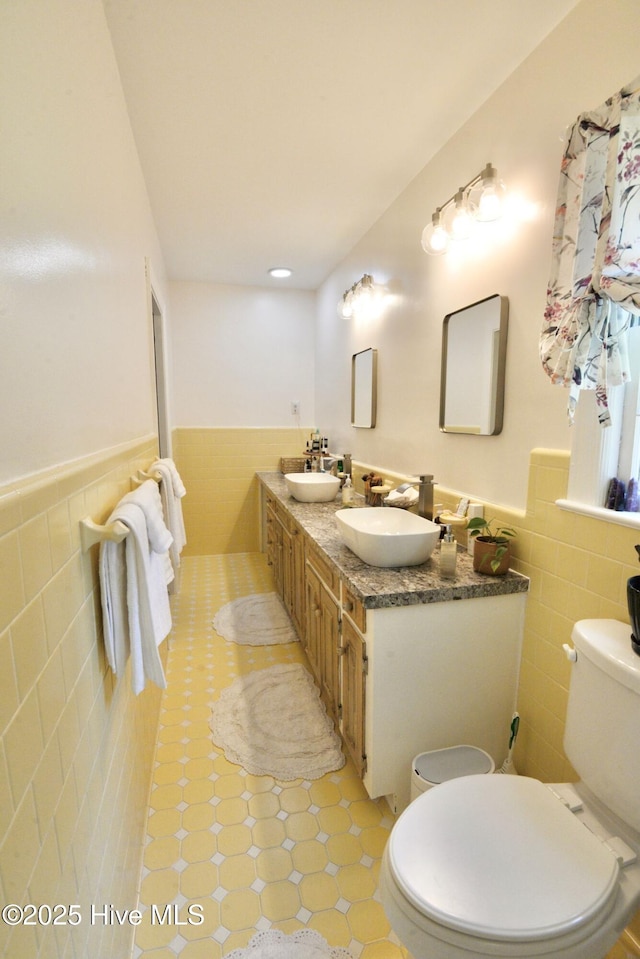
{"x": 147, "y": 497}
{"x": 407, "y": 498}
{"x": 133, "y": 580}
{"x": 178, "y": 486}
{"x": 113, "y": 596}
{"x": 171, "y": 492}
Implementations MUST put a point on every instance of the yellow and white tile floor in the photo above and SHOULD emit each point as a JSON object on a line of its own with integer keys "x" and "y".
{"x": 246, "y": 852}
{"x": 243, "y": 852}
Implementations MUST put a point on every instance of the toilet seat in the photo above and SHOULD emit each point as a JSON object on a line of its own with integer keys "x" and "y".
{"x": 500, "y": 858}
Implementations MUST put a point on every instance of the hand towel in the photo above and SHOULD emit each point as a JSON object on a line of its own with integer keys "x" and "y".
{"x": 135, "y": 602}
{"x": 113, "y": 595}
{"x": 171, "y": 492}
{"x": 147, "y": 497}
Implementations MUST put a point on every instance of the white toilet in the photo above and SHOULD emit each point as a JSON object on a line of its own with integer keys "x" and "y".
{"x": 506, "y": 866}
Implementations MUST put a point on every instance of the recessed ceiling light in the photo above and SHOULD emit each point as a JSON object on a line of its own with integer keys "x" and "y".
{"x": 280, "y": 272}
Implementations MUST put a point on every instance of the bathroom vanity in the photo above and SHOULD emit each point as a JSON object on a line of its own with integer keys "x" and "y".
{"x": 405, "y": 660}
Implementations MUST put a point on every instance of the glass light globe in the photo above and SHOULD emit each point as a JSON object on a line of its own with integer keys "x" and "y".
{"x": 370, "y": 300}
{"x": 489, "y": 195}
{"x": 347, "y": 306}
{"x": 461, "y": 219}
{"x": 435, "y": 239}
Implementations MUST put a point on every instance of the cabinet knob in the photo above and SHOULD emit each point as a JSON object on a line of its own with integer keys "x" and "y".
{"x": 348, "y": 606}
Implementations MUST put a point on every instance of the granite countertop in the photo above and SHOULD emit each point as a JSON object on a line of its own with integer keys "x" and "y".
{"x": 379, "y": 588}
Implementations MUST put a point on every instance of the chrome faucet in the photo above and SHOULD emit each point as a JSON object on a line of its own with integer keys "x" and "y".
{"x": 425, "y": 496}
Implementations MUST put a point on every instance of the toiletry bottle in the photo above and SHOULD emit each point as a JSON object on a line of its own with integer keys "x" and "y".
{"x": 448, "y": 554}
{"x": 347, "y": 492}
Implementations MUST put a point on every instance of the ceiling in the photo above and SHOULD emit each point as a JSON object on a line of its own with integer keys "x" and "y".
{"x": 276, "y": 132}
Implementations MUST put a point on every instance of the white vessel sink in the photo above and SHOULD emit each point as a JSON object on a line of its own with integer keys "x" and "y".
{"x": 387, "y": 537}
{"x": 312, "y": 487}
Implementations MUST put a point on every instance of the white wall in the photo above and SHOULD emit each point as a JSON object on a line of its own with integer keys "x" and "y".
{"x": 241, "y": 355}
{"x": 587, "y": 58}
{"x": 75, "y": 228}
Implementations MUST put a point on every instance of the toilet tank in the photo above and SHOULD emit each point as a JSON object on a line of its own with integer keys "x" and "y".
{"x": 602, "y": 733}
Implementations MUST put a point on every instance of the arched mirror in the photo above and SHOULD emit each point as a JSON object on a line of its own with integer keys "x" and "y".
{"x": 474, "y": 348}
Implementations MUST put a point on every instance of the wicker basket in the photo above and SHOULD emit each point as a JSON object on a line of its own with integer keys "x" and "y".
{"x": 292, "y": 464}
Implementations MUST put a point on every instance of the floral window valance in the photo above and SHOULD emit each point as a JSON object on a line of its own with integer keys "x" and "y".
{"x": 593, "y": 296}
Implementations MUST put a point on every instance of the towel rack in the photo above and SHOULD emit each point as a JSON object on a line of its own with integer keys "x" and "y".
{"x": 91, "y": 532}
{"x": 143, "y": 476}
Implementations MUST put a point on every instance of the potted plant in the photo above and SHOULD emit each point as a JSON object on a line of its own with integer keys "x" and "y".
{"x": 492, "y": 547}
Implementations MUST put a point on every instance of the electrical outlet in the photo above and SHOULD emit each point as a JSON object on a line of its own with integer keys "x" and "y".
{"x": 295, "y": 407}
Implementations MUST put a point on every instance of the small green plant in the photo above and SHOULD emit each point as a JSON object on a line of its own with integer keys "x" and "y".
{"x": 488, "y": 531}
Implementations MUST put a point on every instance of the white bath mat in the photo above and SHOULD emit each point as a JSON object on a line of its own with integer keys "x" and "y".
{"x": 256, "y": 620}
{"x": 303, "y": 944}
{"x": 273, "y": 723}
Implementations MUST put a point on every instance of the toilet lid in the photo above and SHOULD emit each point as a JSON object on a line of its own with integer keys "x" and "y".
{"x": 500, "y": 857}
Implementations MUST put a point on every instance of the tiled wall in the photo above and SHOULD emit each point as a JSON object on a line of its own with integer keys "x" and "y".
{"x": 76, "y": 747}
{"x": 218, "y": 468}
{"x": 578, "y": 568}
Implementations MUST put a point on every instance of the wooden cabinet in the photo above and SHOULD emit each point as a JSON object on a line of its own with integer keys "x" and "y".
{"x": 285, "y": 554}
{"x": 329, "y": 652}
{"x": 313, "y": 628}
{"x": 399, "y": 678}
{"x": 316, "y": 601}
{"x": 323, "y": 638}
{"x": 295, "y": 593}
{"x": 353, "y": 677}
{"x": 336, "y": 652}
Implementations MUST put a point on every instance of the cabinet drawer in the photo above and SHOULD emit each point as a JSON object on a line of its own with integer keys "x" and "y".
{"x": 354, "y": 609}
{"x": 323, "y": 568}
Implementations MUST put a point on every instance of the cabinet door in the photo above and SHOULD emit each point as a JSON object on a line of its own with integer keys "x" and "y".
{"x": 274, "y": 551}
{"x": 286, "y": 573}
{"x": 298, "y": 591}
{"x": 329, "y": 652}
{"x": 313, "y": 626}
{"x": 353, "y": 667}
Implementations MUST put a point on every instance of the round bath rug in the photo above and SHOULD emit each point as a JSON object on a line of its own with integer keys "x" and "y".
{"x": 303, "y": 944}
{"x": 273, "y": 723}
{"x": 256, "y": 620}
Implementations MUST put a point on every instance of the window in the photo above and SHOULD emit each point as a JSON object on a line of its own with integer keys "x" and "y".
{"x": 598, "y": 455}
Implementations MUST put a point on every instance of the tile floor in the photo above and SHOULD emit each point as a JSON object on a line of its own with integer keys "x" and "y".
{"x": 248, "y": 852}
{"x": 252, "y": 852}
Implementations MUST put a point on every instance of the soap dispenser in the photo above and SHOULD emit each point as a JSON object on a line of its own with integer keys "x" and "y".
{"x": 347, "y": 492}
{"x": 448, "y": 554}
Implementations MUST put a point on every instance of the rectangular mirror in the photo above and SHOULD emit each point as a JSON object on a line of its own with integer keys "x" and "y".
{"x": 474, "y": 347}
{"x": 364, "y": 373}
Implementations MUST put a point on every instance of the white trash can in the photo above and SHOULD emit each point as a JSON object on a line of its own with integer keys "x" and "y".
{"x": 432, "y": 768}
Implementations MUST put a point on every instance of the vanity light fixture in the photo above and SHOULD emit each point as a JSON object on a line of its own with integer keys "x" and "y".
{"x": 479, "y": 200}
{"x": 363, "y": 300}
{"x": 280, "y": 272}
